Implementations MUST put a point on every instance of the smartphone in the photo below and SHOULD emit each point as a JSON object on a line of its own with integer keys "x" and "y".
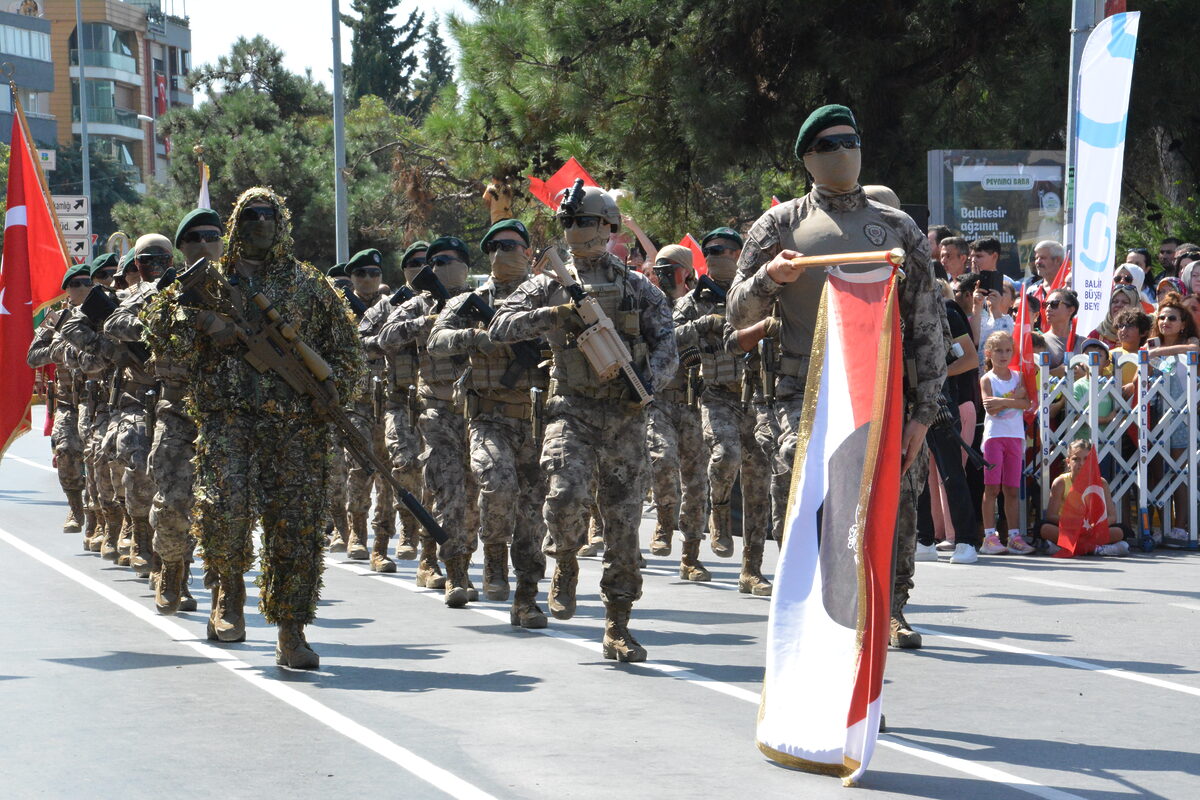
{"x": 991, "y": 281}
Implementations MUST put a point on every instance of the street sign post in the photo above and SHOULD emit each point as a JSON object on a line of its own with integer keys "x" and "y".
{"x": 79, "y": 245}
{"x": 72, "y": 205}
{"x": 74, "y": 226}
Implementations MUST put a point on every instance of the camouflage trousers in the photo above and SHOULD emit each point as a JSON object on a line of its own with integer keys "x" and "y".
{"x": 132, "y": 454}
{"x": 98, "y": 472}
{"x": 273, "y": 470}
{"x": 512, "y": 489}
{"x": 171, "y": 470}
{"x": 403, "y": 446}
{"x": 339, "y": 476}
{"x": 734, "y": 436}
{"x": 111, "y": 471}
{"x": 68, "y": 448}
{"x": 451, "y": 485}
{"x": 596, "y": 448}
{"x": 361, "y": 481}
{"x": 677, "y": 459}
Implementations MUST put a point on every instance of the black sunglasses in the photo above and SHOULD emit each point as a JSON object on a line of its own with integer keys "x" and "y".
{"x": 369, "y": 272}
{"x": 255, "y": 213}
{"x": 441, "y": 261}
{"x": 1126, "y": 279}
{"x": 585, "y": 221}
{"x": 79, "y": 283}
{"x": 416, "y": 262}
{"x": 718, "y": 249}
{"x": 194, "y": 237}
{"x": 104, "y": 274}
{"x": 507, "y": 245}
{"x": 152, "y": 260}
{"x": 835, "y": 141}
{"x": 1169, "y": 318}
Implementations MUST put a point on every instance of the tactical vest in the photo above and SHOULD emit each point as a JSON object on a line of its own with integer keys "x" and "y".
{"x": 570, "y": 371}
{"x": 717, "y": 366}
{"x": 402, "y": 369}
{"x": 436, "y": 370}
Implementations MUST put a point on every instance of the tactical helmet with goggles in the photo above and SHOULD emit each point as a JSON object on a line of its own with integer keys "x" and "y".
{"x": 595, "y": 204}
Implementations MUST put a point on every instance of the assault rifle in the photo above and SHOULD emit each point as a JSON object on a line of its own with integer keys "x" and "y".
{"x": 356, "y": 304}
{"x": 402, "y": 296}
{"x": 426, "y": 281}
{"x": 526, "y": 355}
{"x": 271, "y": 344}
{"x": 98, "y": 306}
{"x": 707, "y": 286}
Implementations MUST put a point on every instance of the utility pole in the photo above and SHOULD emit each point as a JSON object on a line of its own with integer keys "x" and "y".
{"x": 339, "y": 141}
{"x": 84, "y": 152}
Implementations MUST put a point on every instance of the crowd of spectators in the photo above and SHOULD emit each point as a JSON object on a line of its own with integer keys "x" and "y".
{"x": 1154, "y": 305}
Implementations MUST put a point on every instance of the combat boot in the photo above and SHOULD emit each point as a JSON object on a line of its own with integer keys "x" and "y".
{"x": 96, "y": 540}
{"x": 337, "y": 534}
{"x": 125, "y": 540}
{"x": 167, "y": 592}
{"x": 75, "y": 515}
{"x": 525, "y": 612}
{"x": 595, "y": 540}
{"x": 720, "y": 530}
{"x": 751, "y": 580}
{"x": 495, "y": 571}
{"x": 356, "y": 545}
{"x": 109, "y": 548}
{"x": 141, "y": 555}
{"x": 619, "y": 644}
{"x": 660, "y": 542}
{"x": 379, "y": 554}
{"x": 292, "y": 650}
{"x": 406, "y": 549}
{"x": 227, "y": 622}
{"x": 186, "y": 601}
{"x": 456, "y": 581}
{"x": 429, "y": 574}
{"x": 690, "y": 568}
{"x": 89, "y": 528}
{"x": 903, "y": 636}
{"x": 562, "y": 586}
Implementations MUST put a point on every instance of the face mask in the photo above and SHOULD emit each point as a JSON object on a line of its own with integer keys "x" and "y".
{"x": 587, "y": 242}
{"x": 837, "y": 171}
{"x": 722, "y": 268}
{"x": 452, "y": 275}
{"x": 194, "y": 251}
{"x": 410, "y": 273}
{"x": 509, "y": 266}
{"x": 257, "y": 237}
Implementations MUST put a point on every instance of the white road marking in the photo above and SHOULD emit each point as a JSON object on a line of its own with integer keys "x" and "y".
{"x": 1062, "y": 660}
{"x": 1078, "y": 587}
{"x": 406, "y": 759}
{"x": 1188, "y": 606}
{"x": 688, "y": 676}
{"x": 29, "y": 463}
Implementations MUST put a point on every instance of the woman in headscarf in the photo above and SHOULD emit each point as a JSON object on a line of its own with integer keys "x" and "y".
{"x": 1135, "y": 276}
{"x": 1168, "y": 286}
{"x": 1124, "y": 296}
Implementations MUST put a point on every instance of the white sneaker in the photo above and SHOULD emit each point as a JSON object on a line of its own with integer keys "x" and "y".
{"x": 926, "y": 552}
{"x": 964, "y": 554}
{"x": 945, "y": 545}
{"x": 1120, "y": 548}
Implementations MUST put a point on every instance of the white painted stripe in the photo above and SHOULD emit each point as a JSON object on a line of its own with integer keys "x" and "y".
{"x": 14, "y": 216}
{"x": 1077, "y": 587}
{"x": 739, "y": 693}
{"x": 29, "y": 463}
{"x": 1066, "y": 662}
{"x": 406, "y": 759}
{"x": 1188, "y": 606}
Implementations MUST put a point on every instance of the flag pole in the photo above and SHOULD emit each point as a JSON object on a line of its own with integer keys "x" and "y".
{"x": 339, "y": 143}
{"x": 1083, "y": 20}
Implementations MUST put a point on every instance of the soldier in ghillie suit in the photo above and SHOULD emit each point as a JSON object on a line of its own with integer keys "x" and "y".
{"x": 838, "y": 217}
{"x": 262, "y": 454}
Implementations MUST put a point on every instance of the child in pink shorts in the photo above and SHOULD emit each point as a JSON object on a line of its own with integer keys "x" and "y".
{"x": 1004, "y": 403}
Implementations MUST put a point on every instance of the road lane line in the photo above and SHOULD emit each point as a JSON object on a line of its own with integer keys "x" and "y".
{"x": 29, "y": 463}
{"x": 1078, "y": 587}
{"x": 980, "y": 771}
{"x": 421, "y": 768}
{"x": 1075, "y": 663}
{"x": 1188, "y": 606}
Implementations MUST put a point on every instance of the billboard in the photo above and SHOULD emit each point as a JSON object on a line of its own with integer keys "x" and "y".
{"x": 1015, "y": 196}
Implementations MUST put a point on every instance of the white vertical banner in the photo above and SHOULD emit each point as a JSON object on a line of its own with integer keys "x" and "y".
{"x": 1105, "y": 75}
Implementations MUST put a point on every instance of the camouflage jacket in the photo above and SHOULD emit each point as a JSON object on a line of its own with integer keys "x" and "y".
{"x": 410, "y": 325}
{"x": 125, "y": 325}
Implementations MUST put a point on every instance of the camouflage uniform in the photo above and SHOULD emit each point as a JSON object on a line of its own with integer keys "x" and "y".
{"x": 262, "y": 456}
{"x": 64, "y": 433}
{"x": 595, "y": 432}
{"x": 822, "y": 223}
{"x": 503, "y": 455}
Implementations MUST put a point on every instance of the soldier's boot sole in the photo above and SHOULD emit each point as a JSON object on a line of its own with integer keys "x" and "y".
{"x": 756, "y": 585}
{"x": 430, "y": 578}
{"x": 381, "y": 563}
{"x": 527, "y": 616}
{"x": 562, "y": 587}
{"x": 292, "y": 650}
{"x": 619, "y": 644}
{"x": 902, "y": 636}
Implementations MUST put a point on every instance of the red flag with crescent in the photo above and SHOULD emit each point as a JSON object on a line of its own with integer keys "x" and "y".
{"x": 1083, "y": 524}
{"x": 548, "y": 190}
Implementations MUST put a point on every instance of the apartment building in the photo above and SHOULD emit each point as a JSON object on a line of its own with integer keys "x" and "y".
{"x": 25, "y": 47}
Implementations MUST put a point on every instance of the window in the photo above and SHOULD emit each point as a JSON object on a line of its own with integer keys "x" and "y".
{"x": 24, "y": 43}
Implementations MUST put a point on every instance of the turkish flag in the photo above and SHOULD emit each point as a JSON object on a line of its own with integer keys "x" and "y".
{"x": 549, "y": 190}
{"x": 30, "y": 278}
{"x": 774, "y": 201}
{"x": 161, "y": 106}
{"x": 1023, "y": 355}
{"x": 1083, "y": 524}
{"x": 1062, "y": 280}
{"x": 698, "y": 261}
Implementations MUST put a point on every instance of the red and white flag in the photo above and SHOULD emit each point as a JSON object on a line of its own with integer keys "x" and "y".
{"x": 1023, "y": 355}
{"x": 548, "y": 191}
{"x": 699, "y": 262}
{"x": 1083, "y": 522}
{"x": 828, "y": 633}
{"x": 30, "y": 279}
{"x": 203, "y": 201}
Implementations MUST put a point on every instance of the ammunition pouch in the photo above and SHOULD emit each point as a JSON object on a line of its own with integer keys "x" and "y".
{"x": 794, "y": 366}
{"x": 477, "y": 405}
{"x": 719, "y": 368}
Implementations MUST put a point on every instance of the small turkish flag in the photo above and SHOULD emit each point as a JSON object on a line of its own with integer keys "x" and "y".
{"x": 699, "y": 263}
{"x": 1083, "y": 524}
{"x": 548, "y": 191}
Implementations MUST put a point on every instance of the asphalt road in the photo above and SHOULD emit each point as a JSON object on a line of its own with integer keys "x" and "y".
{"x": 1039, "y": 677}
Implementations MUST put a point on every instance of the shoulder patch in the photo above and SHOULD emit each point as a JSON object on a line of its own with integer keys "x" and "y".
{"x": 875, "y": 233}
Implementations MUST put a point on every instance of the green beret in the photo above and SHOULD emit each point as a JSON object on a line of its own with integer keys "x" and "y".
{"x": 443, "y": 243}
{"x": 722, "y": 233}
{"x": 338, "y": 270}
{"x": 824, "y": 117}
{"x": 195, "y": 218}
{"x": 364, "y": 258}
{"x": 74, "y": 270}
{"x": 124, "y": 263}
{"x": 415, "y": 247}
{"x": 103, "y": 261}
{"x": 506, "y": 225}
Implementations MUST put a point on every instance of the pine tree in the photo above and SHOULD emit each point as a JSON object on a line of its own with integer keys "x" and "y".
{"x": 437, "y": 74}
{"x": 383, "y": 57}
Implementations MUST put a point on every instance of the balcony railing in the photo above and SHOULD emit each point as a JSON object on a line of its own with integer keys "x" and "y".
{"x": 109, "y": 116}
{"x": 100, "y": 58}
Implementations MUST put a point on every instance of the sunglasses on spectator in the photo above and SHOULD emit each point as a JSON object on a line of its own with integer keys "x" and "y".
{"x": 836, "y": 141}
{"x": 1125, "y": 279}
{"x": 416, "y": 262}
{"x": 441, "y": 261}
{"x": 79, "y": 283}
{"x": 368, "y": 272}
{"x": 718, "y": 249}
{"x": 506, "y": 245}
{"x": 255, "y": 213}
{"x": 1168, "y": 318}
{"x": 105, "y": 274}
{"x": 195, "y": 237}
{"x": 585, "y": 221}
{"x": 1056, "y": 303}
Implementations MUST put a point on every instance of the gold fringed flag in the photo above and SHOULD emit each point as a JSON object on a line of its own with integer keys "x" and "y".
{"x": 828, "y": 632}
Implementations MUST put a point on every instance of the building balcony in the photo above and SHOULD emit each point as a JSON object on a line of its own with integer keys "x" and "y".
{"x": 104, "y": 121}
{"x": 106, "y": 66}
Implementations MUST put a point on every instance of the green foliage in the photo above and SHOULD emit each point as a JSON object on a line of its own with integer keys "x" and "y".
{"x": 1157, "y": 220}
{"x": 436, "y": 77}
{"x": 110, "y": 184}
{"x": 384, "y": 57}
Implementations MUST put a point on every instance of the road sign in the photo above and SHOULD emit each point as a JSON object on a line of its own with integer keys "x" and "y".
{"x": 72, "y": 204}
{"x": 79, "y": 245}
{"x": 74, "y": 226}
{"x": 49, "y": 159}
